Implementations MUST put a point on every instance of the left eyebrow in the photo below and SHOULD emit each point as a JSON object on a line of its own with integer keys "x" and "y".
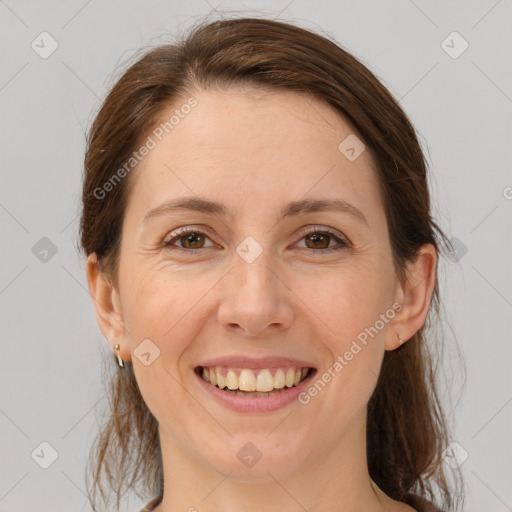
{"x": 291, "y": 209}
{"x": 317, "y": 205}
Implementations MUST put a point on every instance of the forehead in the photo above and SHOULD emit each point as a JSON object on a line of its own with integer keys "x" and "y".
{"x": 250, "y": 148}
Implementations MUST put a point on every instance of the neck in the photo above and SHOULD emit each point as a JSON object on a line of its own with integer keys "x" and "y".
{"x": 326, "y": 480}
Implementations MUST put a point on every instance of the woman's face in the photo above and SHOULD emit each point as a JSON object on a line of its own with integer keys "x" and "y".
{"x": 249, "y": 283}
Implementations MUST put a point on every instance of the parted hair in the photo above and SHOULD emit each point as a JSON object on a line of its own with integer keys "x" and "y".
{"x": 407, "y": 429}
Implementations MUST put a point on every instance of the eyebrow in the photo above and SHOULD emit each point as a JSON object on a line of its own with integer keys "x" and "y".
{"x": 291, "y": 209}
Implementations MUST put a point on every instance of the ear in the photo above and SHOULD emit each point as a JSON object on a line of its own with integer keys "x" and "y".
{"x": 414, "y": 295}
{"x": 107, "y": 306}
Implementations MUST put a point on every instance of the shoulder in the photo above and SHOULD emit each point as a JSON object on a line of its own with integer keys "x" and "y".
{"x": 418, "y": 504}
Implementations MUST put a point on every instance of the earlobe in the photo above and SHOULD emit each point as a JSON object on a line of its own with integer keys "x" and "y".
{"x": 107, "y": 306}
{"x": 415, "y": 294}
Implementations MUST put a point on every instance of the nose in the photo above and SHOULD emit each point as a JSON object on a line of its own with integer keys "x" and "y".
{"x": 255, "y": 300}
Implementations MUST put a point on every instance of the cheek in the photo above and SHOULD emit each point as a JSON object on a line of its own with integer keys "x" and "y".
{"x": 152, "y": 288}
{"x": 357, "y": 310}
{"x": 348, "y": 300}
{"x": 152, "y": 306}
{"x": 163, "y": 308}
{"x": 165, "y": 305}
{"x": 355, "y": 344}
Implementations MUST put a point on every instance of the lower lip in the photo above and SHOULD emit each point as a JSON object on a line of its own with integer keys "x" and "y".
{"x": 255, "y": 404}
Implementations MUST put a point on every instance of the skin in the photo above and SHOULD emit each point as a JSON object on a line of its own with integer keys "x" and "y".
{"x": 254, "y": 151}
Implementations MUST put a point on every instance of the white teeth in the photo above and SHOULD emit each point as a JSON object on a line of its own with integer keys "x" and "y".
{"x": 255, "y": 394}
{"x": 263, "y": 382}
{"x": 232, "y": 380}
{"x": 221, "y": 380}
{"x": 290, "y": 377}
{"x": 247, "y": 381}
{"x": 279, "y": 379}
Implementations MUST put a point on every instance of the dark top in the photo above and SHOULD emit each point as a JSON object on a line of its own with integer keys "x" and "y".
{"x": 420, "y": 504}
{"x": 152, "y": 504}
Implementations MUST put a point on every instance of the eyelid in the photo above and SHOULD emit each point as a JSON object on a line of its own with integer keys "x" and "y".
{"x": 319, "y": 228}
{"x": 185, "y": 230}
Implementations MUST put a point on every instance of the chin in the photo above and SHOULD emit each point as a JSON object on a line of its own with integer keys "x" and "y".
{"x": 250, "y": 458}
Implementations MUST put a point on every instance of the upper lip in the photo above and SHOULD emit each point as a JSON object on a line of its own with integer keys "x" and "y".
{"x": 262, "y": 362}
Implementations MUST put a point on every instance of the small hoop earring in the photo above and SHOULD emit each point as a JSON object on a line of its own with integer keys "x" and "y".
{"x": 117, "y": 353}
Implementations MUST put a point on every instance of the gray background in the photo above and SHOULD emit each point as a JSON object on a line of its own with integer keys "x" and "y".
{"x": 51, "y": 345}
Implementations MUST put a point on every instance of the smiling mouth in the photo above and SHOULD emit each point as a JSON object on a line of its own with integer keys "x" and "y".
{"x": 255, "y": 383}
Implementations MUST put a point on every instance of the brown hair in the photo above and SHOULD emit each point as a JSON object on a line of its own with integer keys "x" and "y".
{"x": 406, "y": 429}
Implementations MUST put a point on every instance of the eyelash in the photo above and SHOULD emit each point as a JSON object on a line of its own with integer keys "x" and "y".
{"x": 343, "y": 244}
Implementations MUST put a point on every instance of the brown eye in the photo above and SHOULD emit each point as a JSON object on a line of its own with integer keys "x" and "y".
{"x": 321, "y": 240}
{"x": 318, "y": 240}
{"x": 189, "y": 239}
{"x": 193, "y": 240}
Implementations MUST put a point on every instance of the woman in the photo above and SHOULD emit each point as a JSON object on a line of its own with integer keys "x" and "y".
{"x": 263, "y": 262}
